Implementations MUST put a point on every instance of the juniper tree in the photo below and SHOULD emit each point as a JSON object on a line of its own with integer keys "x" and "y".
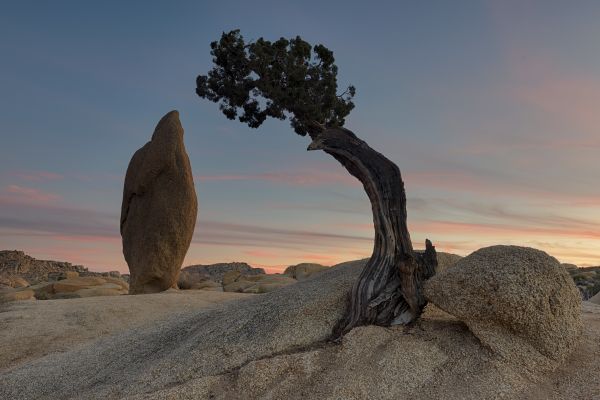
{"x": 290, "y": 79}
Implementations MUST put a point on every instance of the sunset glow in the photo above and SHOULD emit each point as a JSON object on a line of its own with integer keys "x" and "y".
{"x": 497, "y": 140}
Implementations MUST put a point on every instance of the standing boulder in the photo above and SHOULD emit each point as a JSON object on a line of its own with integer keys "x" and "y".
{"x": 159, "y": 209}
{"x": 520, "y": 302}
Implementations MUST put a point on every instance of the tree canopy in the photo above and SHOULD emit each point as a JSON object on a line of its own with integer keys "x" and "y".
{"x": 287, "y": 78}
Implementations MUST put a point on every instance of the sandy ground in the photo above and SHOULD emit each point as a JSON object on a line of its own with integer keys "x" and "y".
{"x": 32, "y": 329}
{"x": 579, "y": 377}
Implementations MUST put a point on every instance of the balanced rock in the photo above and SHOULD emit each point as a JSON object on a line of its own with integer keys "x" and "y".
{"x": 159, "y": 209}
{"x": 518, "y": 301}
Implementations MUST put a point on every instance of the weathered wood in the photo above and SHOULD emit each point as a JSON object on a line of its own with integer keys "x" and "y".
{"x": 389, "y": 290}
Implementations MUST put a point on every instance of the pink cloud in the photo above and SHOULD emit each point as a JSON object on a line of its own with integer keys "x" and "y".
{"x": 16, "y": 193}
{"x": 37, "y": 176}
{"x": 89, "y": 238}
{"x": 572, "y": 101}
{"x": 262, "y": 253}
{"x": 498, "y": 230}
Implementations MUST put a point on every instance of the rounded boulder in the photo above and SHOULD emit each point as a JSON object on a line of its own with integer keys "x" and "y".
{"x": 520, "y": 302}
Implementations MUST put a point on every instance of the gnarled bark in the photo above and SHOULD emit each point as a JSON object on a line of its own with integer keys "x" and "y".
{"x": 389, "y": 290}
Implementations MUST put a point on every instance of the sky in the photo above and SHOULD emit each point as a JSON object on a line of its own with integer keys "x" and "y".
{"x": 489, "y": 108}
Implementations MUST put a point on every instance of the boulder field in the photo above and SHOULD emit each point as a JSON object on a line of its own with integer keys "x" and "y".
{"x": 69, "y": 288}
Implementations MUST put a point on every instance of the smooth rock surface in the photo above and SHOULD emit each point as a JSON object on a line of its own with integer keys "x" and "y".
{"x": 192, "y": 345}
{"x": 518, "y": 301}
{"x": 159, "y": 209}
{"x": 34, "y": 329}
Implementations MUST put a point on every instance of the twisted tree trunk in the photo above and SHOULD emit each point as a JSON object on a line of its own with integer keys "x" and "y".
{"x": 389, "y": 290}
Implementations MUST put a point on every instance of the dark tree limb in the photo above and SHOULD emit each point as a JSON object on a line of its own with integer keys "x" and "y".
{"x": 389, "y": 290}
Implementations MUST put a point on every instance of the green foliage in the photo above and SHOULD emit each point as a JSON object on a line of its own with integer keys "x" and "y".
{"x": 285, "y": 78}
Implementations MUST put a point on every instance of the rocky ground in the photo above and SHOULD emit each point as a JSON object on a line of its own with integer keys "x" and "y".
{"x": 274, "y": 346}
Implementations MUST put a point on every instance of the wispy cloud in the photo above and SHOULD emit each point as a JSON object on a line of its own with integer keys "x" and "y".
{"x": 568, "y": 100}
{"x": 36, "y": 176}
{"x": 70, "y": 223}
{"x": 18, "y": 194}
{"x": 222, "y": 233}
{"x": 303, "y": 177}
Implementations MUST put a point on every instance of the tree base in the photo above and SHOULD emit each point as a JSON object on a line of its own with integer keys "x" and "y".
{"x": 389, "y": 290}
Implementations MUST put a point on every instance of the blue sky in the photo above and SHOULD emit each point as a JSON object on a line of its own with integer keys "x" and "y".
{"x": 488, "y": 108}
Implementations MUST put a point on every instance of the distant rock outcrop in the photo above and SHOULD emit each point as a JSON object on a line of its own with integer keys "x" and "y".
{"x": 518, "y": 301}
{"x": 14, "y": 295}
{"x": 587, "y": 279}
{"x": 159, "y": 209}
{"x": 14, "y": 263}
{"x": 446, "y": 260}
{"x": 215, "y": 272}
{"x": 303, "y": 270}
{"x": 234, "y": 281}
{"x": 12, "y": 281}
{"x": 189, "y": 280}
{"x": 72, "y": 287}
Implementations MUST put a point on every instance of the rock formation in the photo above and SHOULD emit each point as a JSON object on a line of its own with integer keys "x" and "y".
{"x": 15, "y": 263}
{"x": 303, "y": 270}
{"x": 234, "y": 281}
{"x": 518, "y": 301}
{"x": 446, "y": 260}
{"x": 272, "y": 347}
{"x": 188, "y": 280}
{"x": 215, "y": 272}
{"x": 159, "y": 209}
{"x": 587, "y": 279}
{"x": 69, "y": 288}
